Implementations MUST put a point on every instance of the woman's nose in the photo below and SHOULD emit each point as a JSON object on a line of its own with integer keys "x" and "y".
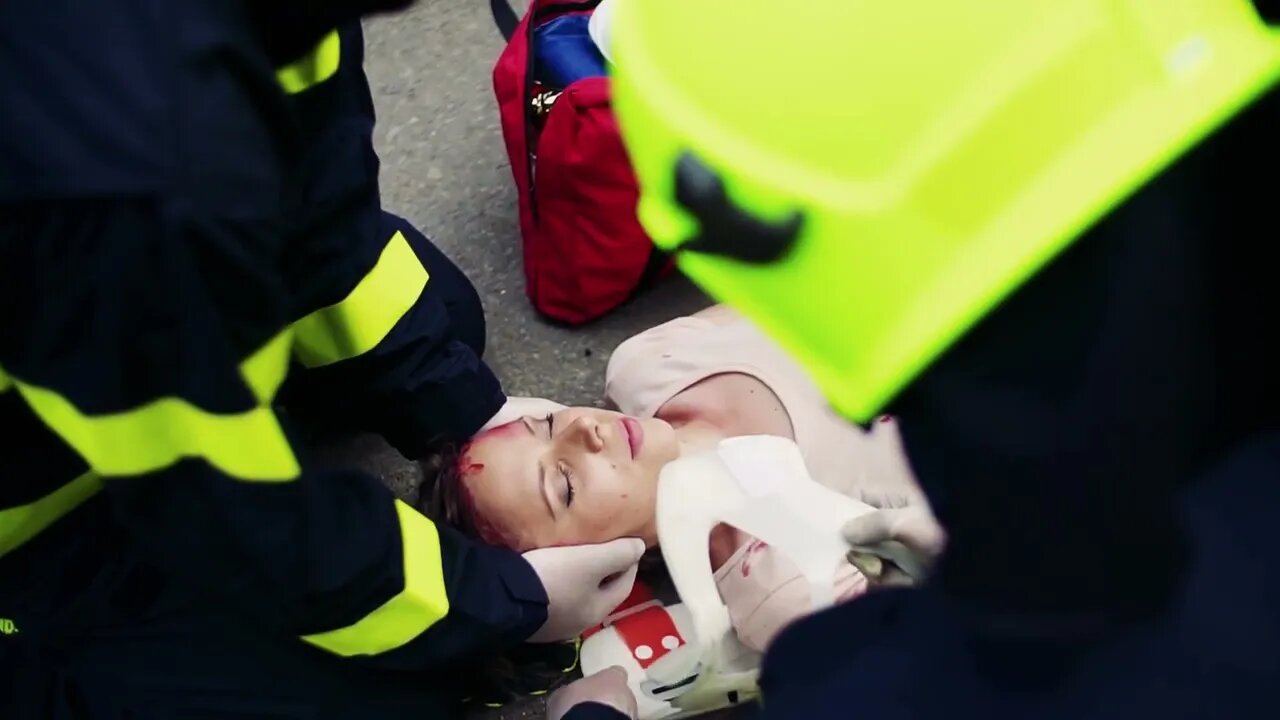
{"x": 586, "y": 432}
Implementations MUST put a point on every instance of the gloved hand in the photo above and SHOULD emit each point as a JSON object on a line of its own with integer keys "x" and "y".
{"x": 910, "y": 535}
{"x": 518, "y": 407}
{"x": 584, "y": 583}
{"x": 607, "y": 687}
{"x": 884, "y": 478}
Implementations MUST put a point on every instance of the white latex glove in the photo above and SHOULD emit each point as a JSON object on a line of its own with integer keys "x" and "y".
{"x": 884, "y": 479}
{"x": 518, "y": 407}
{"x": 913, "y": 528}
{"x": 584, "y": 583}
{"x": 607, "y": 687}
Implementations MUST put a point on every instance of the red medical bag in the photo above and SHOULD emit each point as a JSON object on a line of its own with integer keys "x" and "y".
{"x": 584, "y": 250}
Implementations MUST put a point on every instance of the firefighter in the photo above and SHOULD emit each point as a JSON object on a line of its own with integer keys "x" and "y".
{"x": 190, "y": 235}
{"x": 1040, "y": 234}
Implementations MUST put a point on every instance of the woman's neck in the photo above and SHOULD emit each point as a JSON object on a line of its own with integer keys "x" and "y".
{"x": 694, "y": 435}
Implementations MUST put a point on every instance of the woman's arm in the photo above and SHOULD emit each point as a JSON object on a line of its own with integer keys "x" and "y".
{"x": 765, "y": 591}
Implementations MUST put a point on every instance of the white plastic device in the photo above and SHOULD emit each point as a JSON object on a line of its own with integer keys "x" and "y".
{"x": 760, "y": 485}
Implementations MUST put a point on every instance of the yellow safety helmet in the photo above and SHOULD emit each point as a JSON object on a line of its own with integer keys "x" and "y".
{"x": 868, "y": 178}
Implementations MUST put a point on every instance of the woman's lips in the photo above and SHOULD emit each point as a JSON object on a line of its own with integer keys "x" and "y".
{"x": 635, "y": 435}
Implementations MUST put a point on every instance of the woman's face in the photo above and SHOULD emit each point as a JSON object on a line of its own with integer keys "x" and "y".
{"x": 580, "y": 475}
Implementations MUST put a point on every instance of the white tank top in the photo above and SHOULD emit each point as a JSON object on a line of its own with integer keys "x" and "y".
{"x": 763, "y": 590}
{"x": 649, "y": 369}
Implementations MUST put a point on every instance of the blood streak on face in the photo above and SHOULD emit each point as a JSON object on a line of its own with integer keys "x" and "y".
{"x": 467, "y": 470}
{"x": 466, "y": 464}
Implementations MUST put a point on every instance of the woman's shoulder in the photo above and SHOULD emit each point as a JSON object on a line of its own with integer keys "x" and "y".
{"x": 642, "y": 367}
{"x": 660, "y": 339}
{"x": 656, "y": 340}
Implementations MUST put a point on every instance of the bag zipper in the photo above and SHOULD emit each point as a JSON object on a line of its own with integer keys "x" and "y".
{"x": 539, "y": 14}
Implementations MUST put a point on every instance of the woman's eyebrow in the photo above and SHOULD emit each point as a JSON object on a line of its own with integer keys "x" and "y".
{"x": 528, "y": 426}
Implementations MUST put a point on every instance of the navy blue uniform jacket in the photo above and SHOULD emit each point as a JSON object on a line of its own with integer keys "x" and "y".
{"x": 189, "y": 215}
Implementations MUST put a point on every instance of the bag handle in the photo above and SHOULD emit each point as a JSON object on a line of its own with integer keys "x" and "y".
{"x": 505, "y": 17}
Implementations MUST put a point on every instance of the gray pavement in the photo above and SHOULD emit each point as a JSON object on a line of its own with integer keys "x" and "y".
{"x": 444, "y": 169}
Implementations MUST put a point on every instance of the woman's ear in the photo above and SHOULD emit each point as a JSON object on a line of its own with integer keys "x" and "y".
{"x": 518, "y": 407}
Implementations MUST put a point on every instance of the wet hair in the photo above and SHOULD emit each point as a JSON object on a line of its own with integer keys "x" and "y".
{"x": 441, "y": 495}
{"x": 445, "y": 497}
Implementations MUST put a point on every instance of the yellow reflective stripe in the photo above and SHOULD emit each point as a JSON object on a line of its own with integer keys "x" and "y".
{"x": 248, "y": 446}
{"x": 357, "y": 324}
{"x": 417, "y": 607}
{"x": 20, "y": 524}
{"x": 5, "y": 382}
{"x": 313, "y": 68}
{"x": 264, "y": 371}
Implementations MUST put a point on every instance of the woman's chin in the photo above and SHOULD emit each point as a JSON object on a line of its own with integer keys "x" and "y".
{"x": 650, "y": 537}
{"x": 659, "y": 440}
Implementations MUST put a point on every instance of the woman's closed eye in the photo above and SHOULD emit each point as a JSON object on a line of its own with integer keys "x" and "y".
{"x": 568, "y": 486}
{"x": 550, "y": 420}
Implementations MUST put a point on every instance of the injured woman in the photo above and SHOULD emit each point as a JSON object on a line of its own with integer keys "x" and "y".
{"x": 573, "y": 475}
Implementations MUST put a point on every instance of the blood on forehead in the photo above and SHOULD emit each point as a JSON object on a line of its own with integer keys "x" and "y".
{"x": 467, "y": 470}
{"x": 467, "y": 466}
